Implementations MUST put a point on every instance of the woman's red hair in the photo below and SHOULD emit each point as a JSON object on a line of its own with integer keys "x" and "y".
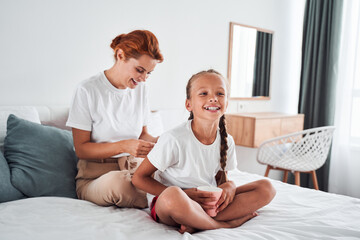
{"x": 137, "y": 43}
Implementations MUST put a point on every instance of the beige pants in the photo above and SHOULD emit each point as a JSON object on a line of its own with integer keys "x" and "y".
{"x": 108, "y": 182}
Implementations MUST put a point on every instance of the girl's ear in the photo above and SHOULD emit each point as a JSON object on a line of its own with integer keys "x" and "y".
{"x": 188, "y": 105}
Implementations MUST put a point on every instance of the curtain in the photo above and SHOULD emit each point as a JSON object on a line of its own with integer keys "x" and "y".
{"x": 345, "y": 160}
{"x": 261, "y": 81}
{"x": 320, "y": 52}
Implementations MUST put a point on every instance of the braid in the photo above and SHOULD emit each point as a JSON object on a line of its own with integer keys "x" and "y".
{"x": 223, "y": 149}
{"x": 224, "y": 145}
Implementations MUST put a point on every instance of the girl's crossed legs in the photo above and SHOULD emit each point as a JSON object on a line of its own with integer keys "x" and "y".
{"x": 175, "y": 208}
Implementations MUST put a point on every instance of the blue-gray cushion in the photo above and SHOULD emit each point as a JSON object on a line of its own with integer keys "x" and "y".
{"x": 41, "y": 158}
{"x": 7, "y": 191}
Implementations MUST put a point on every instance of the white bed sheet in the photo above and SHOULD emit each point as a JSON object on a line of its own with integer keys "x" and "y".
{"x": 295, "y": 213}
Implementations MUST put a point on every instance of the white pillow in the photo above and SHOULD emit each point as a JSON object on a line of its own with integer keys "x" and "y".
{"x": 24, "y": 112}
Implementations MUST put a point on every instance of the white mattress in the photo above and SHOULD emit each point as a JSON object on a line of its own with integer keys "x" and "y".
{"x": 295, "y": 213}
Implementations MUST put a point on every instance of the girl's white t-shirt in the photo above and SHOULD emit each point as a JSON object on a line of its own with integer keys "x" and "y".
{"x": 183, "y": 161}
{"x": 110, "y": 114}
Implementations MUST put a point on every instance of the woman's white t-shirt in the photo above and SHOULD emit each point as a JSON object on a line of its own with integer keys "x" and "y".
{"x": 110, "y": 114}
{"x": 183, "y": 161}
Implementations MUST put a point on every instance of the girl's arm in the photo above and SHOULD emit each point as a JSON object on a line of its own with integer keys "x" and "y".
{"x": 143, "y": 179}
{"x": 229, "y": 190}
{"x": 85, "y": 149}
{"x": 147, "y": 137}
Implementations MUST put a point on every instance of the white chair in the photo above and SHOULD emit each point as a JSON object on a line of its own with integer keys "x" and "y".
{"x": 303, "y": 151}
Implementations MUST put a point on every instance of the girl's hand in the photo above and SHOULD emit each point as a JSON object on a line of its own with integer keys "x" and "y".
{"x": 203, "y": 198}
{"x": 227, "y": 196}
{"x": 137, "y": 148}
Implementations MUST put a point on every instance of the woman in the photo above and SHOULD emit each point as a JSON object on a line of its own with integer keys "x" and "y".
{"x": 108, "y": 117}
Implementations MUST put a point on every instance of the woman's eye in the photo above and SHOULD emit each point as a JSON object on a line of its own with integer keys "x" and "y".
{"x": 139, "y": 70}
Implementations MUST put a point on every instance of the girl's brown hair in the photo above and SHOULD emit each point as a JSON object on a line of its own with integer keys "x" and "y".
{"x": 137, "y": 43}
{"x": 221, "y": 177}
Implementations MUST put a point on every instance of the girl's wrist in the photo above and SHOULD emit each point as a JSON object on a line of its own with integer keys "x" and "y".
{"x": 231, "y": 184}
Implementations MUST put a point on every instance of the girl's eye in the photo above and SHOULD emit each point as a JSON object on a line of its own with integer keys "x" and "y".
{"x": 203, "y": 94}
{"x": 221, "y": 94}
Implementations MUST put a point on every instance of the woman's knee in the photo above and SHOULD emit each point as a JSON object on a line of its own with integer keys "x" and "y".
{"x": 113, "y": 178}
{"x": 122, "y": 192}
{"x": 115, "y": 183}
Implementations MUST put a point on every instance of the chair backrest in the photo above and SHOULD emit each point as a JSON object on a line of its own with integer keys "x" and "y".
{"x": 301, "y": 151}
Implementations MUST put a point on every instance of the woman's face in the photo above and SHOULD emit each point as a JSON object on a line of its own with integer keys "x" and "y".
{"x": 135, "y": 71}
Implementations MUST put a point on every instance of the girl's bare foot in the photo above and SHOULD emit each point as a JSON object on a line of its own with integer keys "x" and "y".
{"x": 240, "y": 221}
{"x": 183, "y": 229}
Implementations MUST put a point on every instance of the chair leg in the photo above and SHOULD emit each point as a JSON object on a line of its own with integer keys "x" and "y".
{"x": 285, "y": 177}
{"x": 297, "y": 178}
{"x": 267, "y": 171}
{"x": 314, "y": 178}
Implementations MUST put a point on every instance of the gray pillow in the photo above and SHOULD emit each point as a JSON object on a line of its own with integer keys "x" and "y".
{"x": 7, "y": 191}
{"x": 41, "y": 158}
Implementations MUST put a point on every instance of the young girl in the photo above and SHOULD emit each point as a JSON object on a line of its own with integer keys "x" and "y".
{"x": 199, "y": 152}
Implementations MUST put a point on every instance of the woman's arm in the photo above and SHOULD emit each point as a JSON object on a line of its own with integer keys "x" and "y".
{"x": 85, "y": 149}
{"x": 143, "y": 179}
{"x": 146, "y": 136}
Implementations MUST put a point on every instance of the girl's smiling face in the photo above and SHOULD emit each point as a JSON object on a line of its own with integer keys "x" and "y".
{"x": 208, "y": 97}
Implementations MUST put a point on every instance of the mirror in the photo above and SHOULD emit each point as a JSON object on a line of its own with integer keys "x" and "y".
{"x": 249, "y": 62}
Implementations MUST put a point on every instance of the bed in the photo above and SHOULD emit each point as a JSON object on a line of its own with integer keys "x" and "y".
{"x": 294, "y": 213}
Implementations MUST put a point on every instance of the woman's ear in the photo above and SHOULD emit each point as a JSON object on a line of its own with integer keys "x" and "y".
{"x": 120, "y": 54}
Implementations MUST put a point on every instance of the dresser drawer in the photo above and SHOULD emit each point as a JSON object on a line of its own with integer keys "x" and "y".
{"x": 251, "y": 129}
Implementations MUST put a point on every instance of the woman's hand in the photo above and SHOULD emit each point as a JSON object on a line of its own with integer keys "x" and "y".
{"x": 227, "y": 196}
{"x": 203, "y": 198}
{"x": 137, "y": 148}
{"x": 146, "y": 136}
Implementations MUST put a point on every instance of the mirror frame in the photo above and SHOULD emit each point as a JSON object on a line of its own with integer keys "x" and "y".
{"x": 231, "y": 33}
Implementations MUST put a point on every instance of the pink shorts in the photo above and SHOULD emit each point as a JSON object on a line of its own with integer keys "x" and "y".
{"x": 152, "y": 208}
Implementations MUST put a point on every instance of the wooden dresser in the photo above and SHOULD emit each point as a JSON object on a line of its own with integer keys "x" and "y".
{"x": 251, "y": 129}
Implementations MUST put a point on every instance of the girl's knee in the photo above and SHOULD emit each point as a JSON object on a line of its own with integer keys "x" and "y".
{"x": 173, "y": 203}
{"x": 172, "y": 198}
{"x": 267, "y": 189}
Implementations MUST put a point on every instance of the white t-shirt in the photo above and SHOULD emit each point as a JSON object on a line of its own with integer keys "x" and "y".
{"x": 183, "y": 161}
{"x": 110, "y": 114}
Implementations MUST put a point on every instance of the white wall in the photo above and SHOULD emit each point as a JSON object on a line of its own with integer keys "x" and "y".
{"x": 48, "y": 46}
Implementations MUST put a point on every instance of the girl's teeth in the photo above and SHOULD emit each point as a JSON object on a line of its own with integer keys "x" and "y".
{"x": 212, "y": 108}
